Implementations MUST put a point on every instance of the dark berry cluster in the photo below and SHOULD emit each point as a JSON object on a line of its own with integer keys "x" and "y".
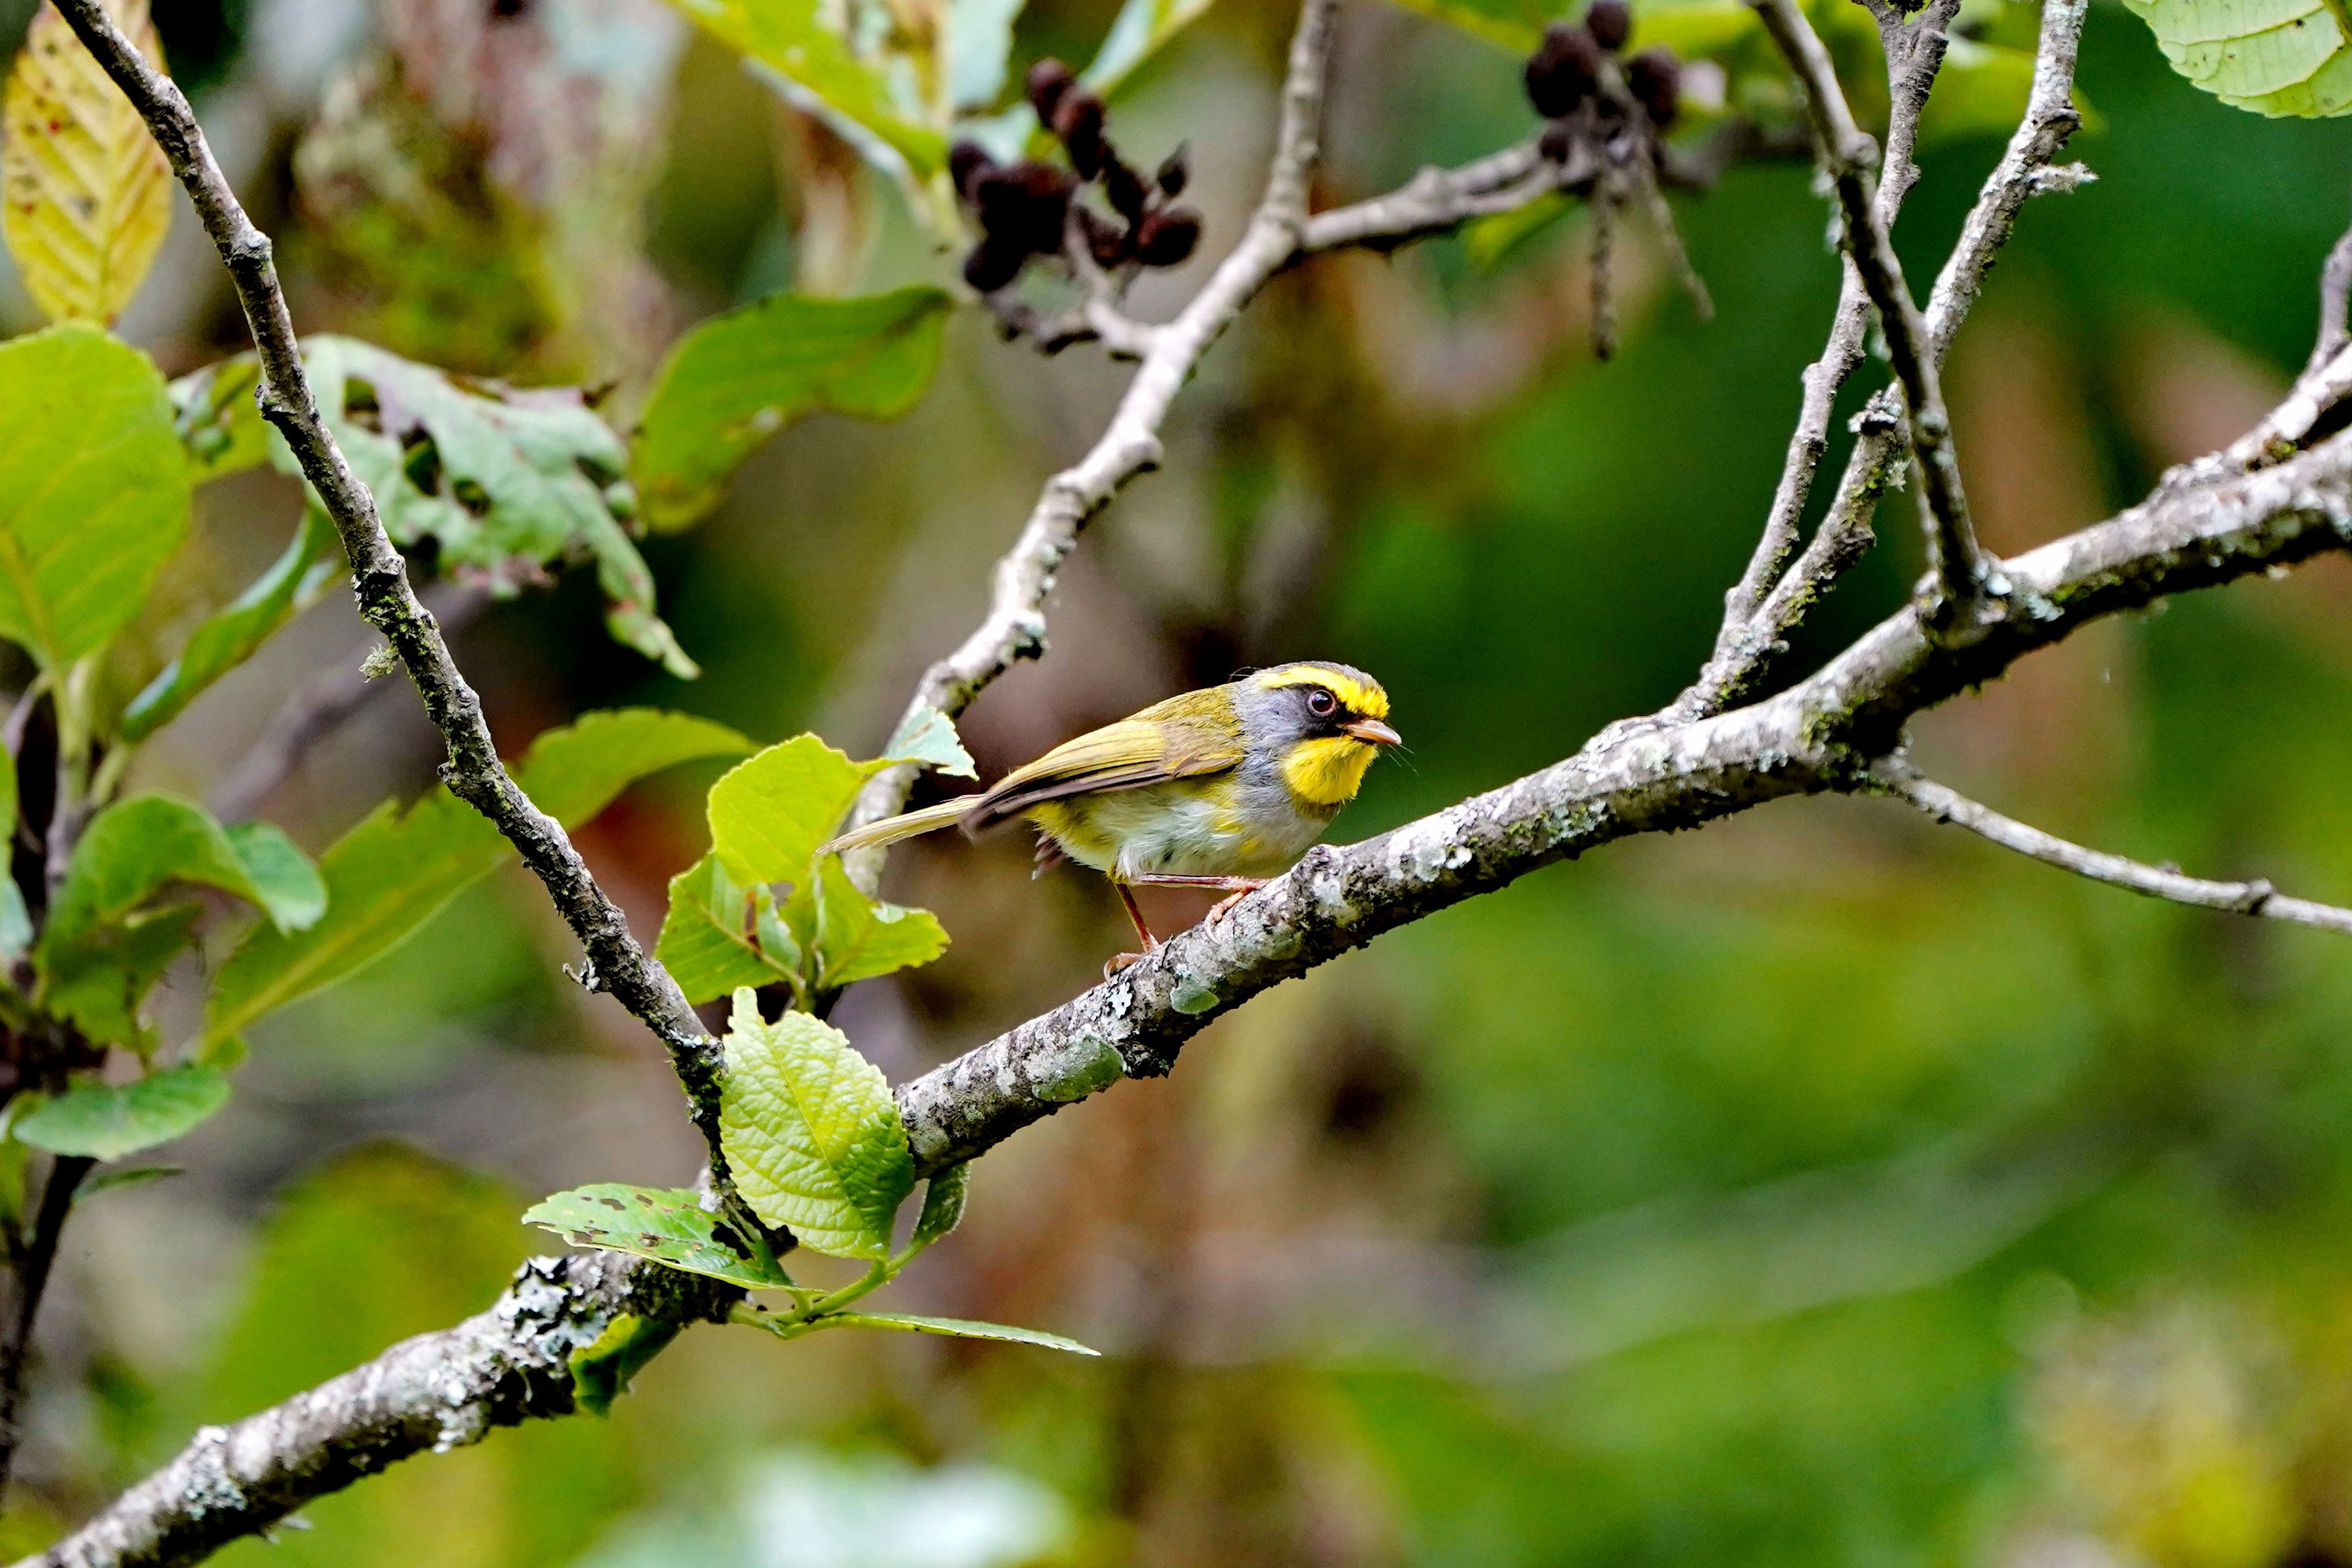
{"x": 1029, "y": 208}
{"x": 1569, "y": 70}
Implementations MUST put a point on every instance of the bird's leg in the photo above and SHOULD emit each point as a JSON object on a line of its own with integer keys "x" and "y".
{"x": 1150, "y": 942}
{"x": 1235, "y": 889}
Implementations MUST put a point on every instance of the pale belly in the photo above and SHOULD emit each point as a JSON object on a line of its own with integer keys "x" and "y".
{"x": 1176, "y": 830}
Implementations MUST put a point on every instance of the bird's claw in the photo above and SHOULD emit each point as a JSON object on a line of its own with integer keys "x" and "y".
{"x": 1120, "y": 963}
{"x": 1219, "y": 910}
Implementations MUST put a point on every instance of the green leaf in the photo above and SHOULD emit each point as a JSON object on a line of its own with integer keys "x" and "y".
{"x": 105, "y": 1122}
{"x": 395, "y": 870}
{"x": 960, "y": 1328}
{"x": 101, "y": 982}
{"x": 668, "y": 1226}
{"x": 600, "y": 1372}
{"x": 93, "y": 489}
{"x": 858, "y": 937}
{"x": 285, "y": 883}
{"x": 943, "y": 1198}
{"x": 2274, "y": 57}
{"x": 792, "y": 38}
{"x": 928, "y": 736}
{"x": 716, "y": 936}
{"x": 769, "y": 813}
{"x": 980, "y": 47}
{"x": 312, "y": 563}
{"x": 504, "y": 482}
{"x": 1142, "y": 28}
{"x": 812, "y": 1133}
{"x": 122, "y": 1177}
{"x": 739, "y": 378}
{"x": 15, "y": 920}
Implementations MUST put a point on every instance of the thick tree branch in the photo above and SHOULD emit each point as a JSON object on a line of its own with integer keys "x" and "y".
{"x": 2256, "y": 898}
{"x": 1847, "y": 156}
{"x": 379, "y": 580}
{"x": 435, "y": 1391}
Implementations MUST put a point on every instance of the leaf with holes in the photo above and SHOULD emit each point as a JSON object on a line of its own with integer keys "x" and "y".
{"x": 718, "y": 936}
{"x": 668, "y": 1225}
{"x": 85, "y": 192}
{"x": 812, "y": 1132}
{"x": 93, "y": 489}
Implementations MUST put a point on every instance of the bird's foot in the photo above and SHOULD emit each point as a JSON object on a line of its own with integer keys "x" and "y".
{"x": 1242, "y": 886}
{"x": 1120, "y": 963}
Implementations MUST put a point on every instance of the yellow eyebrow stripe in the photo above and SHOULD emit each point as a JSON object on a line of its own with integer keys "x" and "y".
{"x": 1369, "y": 701}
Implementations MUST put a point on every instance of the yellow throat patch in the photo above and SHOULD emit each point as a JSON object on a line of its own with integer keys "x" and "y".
{"x": 1328, "y": 771}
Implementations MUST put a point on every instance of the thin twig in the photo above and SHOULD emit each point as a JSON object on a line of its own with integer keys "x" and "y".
{"x": 2334, "y": 300}
{"x": 1014, "y": 627}
{"x": 323, "y": 706}
{"x": 2026, "y": 169}
{"x": 40, "y": 1253}
{"x": 2257, "y": 897}
{"x": 1955, "y": 570}
{"x": 379, "y": 580}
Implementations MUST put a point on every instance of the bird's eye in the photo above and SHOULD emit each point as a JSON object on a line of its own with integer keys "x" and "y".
{"x": 1321, "y": 703}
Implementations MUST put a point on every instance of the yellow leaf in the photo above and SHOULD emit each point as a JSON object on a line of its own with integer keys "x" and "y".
{"x": 88, "y": 193}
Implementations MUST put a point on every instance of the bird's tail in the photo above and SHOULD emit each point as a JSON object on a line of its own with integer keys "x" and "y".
{"x": 906, "y": 825}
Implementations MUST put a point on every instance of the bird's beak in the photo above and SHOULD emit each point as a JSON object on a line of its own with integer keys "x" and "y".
{"x": 1372, "y": 732}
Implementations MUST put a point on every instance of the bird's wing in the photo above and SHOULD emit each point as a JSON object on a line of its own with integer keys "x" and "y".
{"x": 1127, "y": 755}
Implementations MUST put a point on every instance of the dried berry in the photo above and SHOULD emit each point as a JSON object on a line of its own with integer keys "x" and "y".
{"x": 1078, "y": 122}
{"x": 1177, "y": 171}
{"x": 966, "y": 162}
{"x": 1563, "y": 71}
{"x": 1124, "y": 189}
{"x": 1655, "y": 79}
{"x": 1610, "y": 23}
{"x": 1166, "y": 237}
{"x": 1026, "y": 205}
{"x": 992, "y": 264}
{"x": 1106, "y": 241}
{"x": 1049, "y": 80}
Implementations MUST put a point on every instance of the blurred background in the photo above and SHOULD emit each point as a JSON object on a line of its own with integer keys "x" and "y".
{"x": 1823, "y": 1187}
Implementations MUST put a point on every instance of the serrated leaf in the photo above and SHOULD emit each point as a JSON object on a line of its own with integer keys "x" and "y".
{"x": 504, "y": 482}
{"x": 86, "y": 191}
{"x": 105, "y": 1122}
{"x": 793, "y": 38}
{"x": 943, "y": 1199}
{"x": 960, "y": 1328}
{"x": 770, "y": 812}
{"x": 600, "y": 1372}
{"x": 812, "y": 1133}
{"x": 100, "y": 983}
{"x": 668, "y": 1225}
{"x": 928, "y": 736}
{"x": 2278, "y": 57}
{"x": 310, "y": 564}
{"x": 858, "y": 938}
{"x": 718, "y": 936}
{"x": 739, "y": 378}
{"x": 389, "y": 874}
{"x": 93, "y": 489}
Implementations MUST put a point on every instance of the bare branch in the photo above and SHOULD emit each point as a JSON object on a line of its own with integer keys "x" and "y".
{"x": 379, "y": 580}
{"x": 1847, "y": 156}
{"x": 2258, "y": 898}
{"x": 2025, "y": 170}
{"x": 1014, "y": 626}
{"x": 438, "y": 1391}
{"x": 2335, "y": 299}
{"x": 41, "y": 1253}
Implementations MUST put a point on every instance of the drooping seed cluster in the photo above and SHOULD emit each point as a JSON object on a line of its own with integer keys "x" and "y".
{"x": 1570, "y": 70}
{"x": 1032, "y": 208}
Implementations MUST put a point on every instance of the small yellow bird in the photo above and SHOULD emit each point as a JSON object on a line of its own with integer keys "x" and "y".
{"x": 1221, "y": 788}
